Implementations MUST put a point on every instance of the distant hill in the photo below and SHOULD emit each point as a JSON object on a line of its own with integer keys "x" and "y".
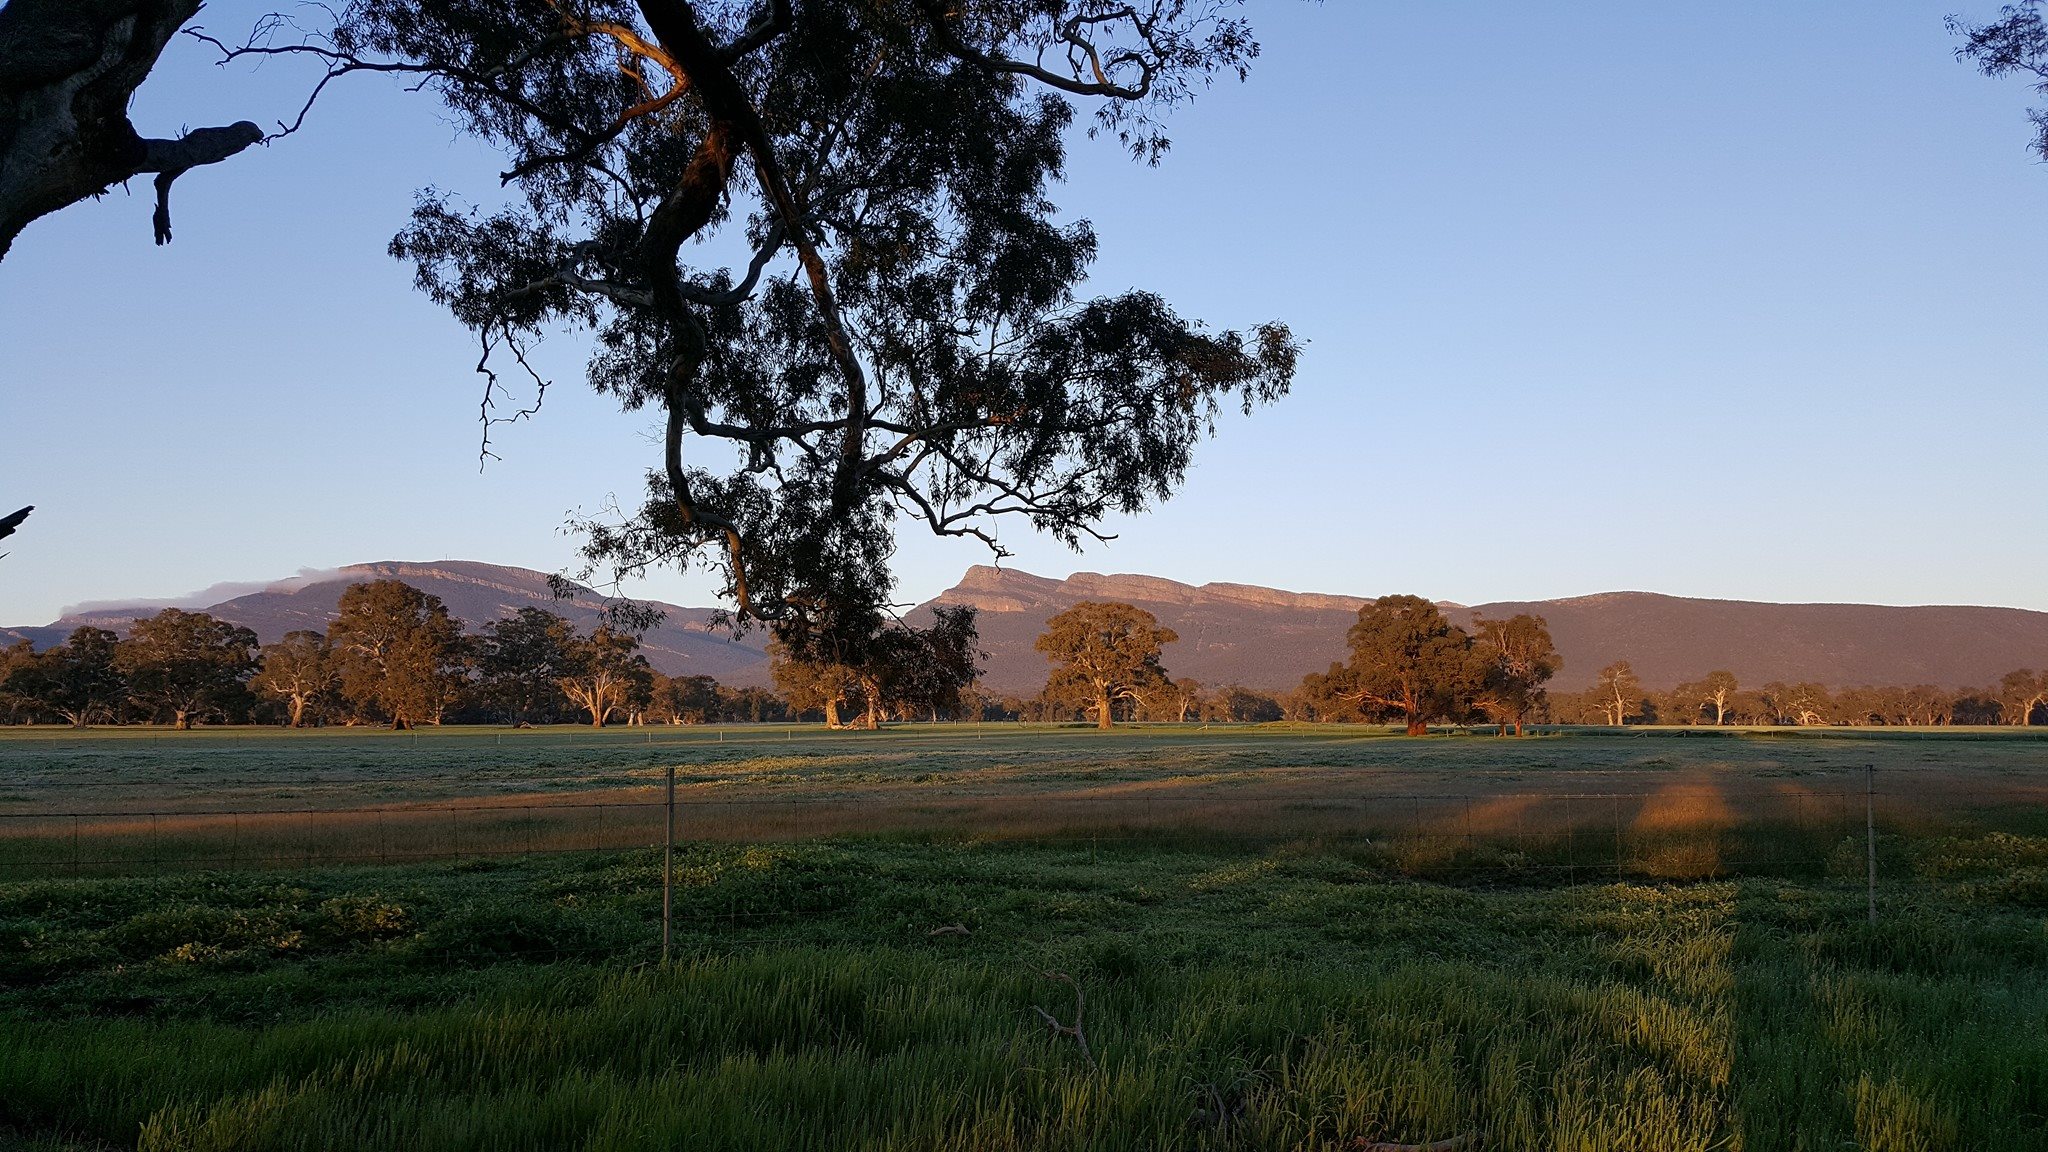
{"x": 1239, "y": 634}
{"x": 683, "y": 644}
{"x": 1265, "y": 638}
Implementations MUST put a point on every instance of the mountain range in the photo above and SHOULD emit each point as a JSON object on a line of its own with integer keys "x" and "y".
{"x": 684, "y": 643}
{"x": 1261, "y": 638}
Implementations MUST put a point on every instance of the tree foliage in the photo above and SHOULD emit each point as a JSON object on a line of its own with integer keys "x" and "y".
{"x": 903, "y": 332}
{"x": 1516, "y": 657}
{"x": 521, "y": 662}
{"x": 606, "y": 673}
{"x": 79, "y": 679}
{"x": 188, "y": 664}
{"x": 1407, "y": 660}
{"x": 901, "y": 670}
{"x": 2015, "y": 44}
{"x": 398, "y": 655}
{"x": 1104, "y": 653}
{"x": 300, "y": 670}
{"x": 1617, "y": 692}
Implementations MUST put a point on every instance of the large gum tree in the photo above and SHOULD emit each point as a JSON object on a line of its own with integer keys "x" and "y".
{"x": 817, "y": 239}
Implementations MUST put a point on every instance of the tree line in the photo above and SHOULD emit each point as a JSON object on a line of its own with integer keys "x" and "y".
{"x": 1411, "y": 665}
{"x": 393, "y": 655}
{"x": 1618, "y": 697}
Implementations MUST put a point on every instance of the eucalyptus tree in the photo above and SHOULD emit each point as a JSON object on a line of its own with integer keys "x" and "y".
{"x": 300, "y": 670}
{"x": 187, "y": 665}
{"x": 606, "y": 673}
{"x": 521, "y": 661}
{"x": 1617, "y": 693}
{"x": 1106, "y": 652}
{"x": 398, "y": 655}
{"x": 79, "y": 680}
{"x": 901, "y": 331}
{"x": 68, "y": 72}
{"x": 1408, "y": 662}
{"x": 1516, "y": 659}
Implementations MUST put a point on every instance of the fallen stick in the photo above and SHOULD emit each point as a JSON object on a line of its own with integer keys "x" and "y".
{"x": 949, "y": 930}
{"x": 1053, "y": 1024}
{"x": 1448, "y": 1144}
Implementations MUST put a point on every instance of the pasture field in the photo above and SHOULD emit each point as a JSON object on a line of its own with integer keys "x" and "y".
{"x": 1272, "y": 938}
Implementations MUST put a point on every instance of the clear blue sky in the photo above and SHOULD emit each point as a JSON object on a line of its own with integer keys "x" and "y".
{"x": 1739, "y": 300}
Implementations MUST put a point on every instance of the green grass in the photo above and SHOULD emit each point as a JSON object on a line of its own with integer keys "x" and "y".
{"x": 1300, "y": 994}
{"x": 1250, "y": 983}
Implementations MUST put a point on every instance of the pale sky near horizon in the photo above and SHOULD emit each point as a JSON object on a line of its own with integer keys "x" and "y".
{"x": 1740, "y": 300}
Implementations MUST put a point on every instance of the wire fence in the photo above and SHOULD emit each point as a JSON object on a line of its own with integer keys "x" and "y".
{"x": 1840, "y": 824}
{"x": 1674, "y": 830}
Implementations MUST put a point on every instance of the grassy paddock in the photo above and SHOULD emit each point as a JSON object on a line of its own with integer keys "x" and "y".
{"x": 1660, "y": 804}
{"x": 1250, "y": 982}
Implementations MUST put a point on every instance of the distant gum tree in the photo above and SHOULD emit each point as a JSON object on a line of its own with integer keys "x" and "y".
{"x": 900, "y": 669}
{"x": 1717, "y": 691}
{"x": 1516, "y": 657}
{"x": 814, "y": 685}
{"x": 521, "y": 660}
{"x": 399, "y": 655}
{"x": 606, "y": 673}
{"x": 686, "y": 699}
{"x": 1103, "y": 653}
{"x": 299, "y": 670}
{"x": 2020, "y": 693}
{"x": 78, "y": 680}
{"x": 926, "y": 671}
{"x": 1617, "y": 692}
{"x": 187, "y": 664}
{"x": 1408, "y": 661}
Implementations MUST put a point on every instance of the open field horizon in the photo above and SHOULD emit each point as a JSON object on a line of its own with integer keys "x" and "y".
{"x": 1271, "y": 937}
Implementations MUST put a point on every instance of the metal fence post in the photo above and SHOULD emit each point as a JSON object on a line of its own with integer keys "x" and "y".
{"x": 668, "y": 863}
{"x": 1870, "y": 832}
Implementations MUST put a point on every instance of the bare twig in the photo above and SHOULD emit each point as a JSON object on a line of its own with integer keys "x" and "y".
{"x": 949, "y": 930}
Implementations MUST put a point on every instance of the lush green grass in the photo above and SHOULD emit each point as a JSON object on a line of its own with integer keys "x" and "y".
{"x": 1263, "y": 967}
{"x": 1300, "y": 994}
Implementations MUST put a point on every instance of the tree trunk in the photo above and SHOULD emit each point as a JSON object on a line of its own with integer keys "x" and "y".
{"x": 298, "y": 711}
{"x": 183, "y": 723}
{"x": 1103, "y": 719}
{"x": 1417, "y": 726}
{"x": 832, "y": 713}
